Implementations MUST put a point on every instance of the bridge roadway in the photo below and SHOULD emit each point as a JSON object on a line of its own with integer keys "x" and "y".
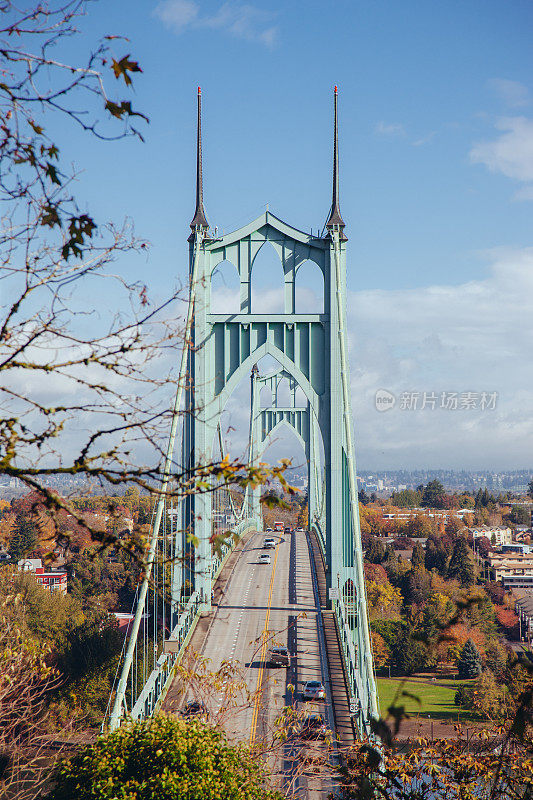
{"x": 261, "y": 605}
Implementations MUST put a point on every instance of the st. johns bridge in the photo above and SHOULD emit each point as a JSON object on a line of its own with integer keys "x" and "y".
{"x": 230, "y": 603}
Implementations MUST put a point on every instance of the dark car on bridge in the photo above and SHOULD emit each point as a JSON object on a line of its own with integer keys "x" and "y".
{"x": 313, "y": 727}
{"x": 280, "y": 656}
{"x": 195, "y": 708}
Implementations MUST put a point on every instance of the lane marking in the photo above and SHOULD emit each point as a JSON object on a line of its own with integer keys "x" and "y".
{"x": 263, "y": 651}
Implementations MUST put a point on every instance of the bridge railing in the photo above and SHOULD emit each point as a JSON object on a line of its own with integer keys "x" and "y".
{"x": 156, "y": 686}
{"x": 355, "y": 662}
{"x": 358, "y": 682}
{"x": 317, "y": 529}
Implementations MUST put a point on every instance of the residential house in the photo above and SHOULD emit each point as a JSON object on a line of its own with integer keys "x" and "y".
{"x": 55, "y": 580}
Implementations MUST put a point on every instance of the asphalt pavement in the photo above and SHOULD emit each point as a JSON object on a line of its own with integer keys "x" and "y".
{"x": 264, "y": 605}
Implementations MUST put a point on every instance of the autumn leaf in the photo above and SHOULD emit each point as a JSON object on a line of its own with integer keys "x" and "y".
{"x": 123, "y": 67}
{"x": 51, "y": 173}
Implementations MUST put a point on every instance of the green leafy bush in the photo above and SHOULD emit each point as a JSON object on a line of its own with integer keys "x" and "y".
{"x": 163, "y": 758}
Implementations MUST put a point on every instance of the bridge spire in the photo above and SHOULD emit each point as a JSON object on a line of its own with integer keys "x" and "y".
{"x": 199, "y": 220}
{"x": 335, "y": 219}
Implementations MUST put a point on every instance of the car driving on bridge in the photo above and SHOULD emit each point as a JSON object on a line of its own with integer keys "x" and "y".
{"x": 195, "y": 708}
{"x": 314, "y": 690}
{"x": 269, "y": 542}
{"x": 264, "y": 558}
{"x": 280, "y": 656}
{"x": 313, "y": 727}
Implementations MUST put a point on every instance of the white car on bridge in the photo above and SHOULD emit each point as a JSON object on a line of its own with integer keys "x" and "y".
{"x": 314, "y": 690}
{"x": 269, "y": 542}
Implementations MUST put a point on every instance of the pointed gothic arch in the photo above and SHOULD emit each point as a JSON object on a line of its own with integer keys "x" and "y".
{"x": 309, "y": 288}
{"x": 267, "y": 281}
{"x": 225, "y": 288}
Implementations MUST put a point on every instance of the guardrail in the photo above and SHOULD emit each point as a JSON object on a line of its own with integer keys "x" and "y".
{"x": 320, "y": 539}
{"x": 358, "y": 695}
{"x": 353, "y": 661}
{"x": 160, "y": 679}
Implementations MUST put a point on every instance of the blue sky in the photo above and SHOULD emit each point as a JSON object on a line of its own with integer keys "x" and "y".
{"x": 436, "y": 144}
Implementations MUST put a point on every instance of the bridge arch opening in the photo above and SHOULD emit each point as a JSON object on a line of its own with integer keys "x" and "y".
{"x": 300, "y": 400}
{"x": 284, "y": 393}
{"x": 265, "y": 397}
{"x": 309, "y": 288}
{"x": 235, "y": 422}
{"x": 225, "y": 289}
{"x": 234, "y": 425}
{"x": 267, "y": 283}
{"x": 284, "y": 443}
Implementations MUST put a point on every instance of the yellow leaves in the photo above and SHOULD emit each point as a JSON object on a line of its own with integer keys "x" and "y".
{"x": 384, "y": 600}
{"x": 380, "y": 651}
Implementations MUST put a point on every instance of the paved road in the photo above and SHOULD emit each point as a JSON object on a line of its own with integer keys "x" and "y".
{"x": 267, "y": 604}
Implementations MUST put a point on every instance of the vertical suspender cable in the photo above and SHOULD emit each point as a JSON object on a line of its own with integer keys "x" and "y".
{"x": 349, "y": 452}
{"x": 114, "y": 721}
{"x": 239, "y": 515}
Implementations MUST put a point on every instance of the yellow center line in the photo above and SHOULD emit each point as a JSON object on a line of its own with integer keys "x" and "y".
{"x": 263, "y": 651}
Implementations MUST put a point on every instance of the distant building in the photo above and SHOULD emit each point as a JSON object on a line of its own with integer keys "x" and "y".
{"x": 523, "y": 534}
{"x": 514, "y": 570}
{"x": 497, "y": 535}
{"x": 55, "y": 580}
{"x": 432, "y": 513}
{"x": 517, "y": 547}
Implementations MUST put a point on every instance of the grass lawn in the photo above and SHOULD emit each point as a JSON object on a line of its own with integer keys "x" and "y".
{"x": 436, "y": 698}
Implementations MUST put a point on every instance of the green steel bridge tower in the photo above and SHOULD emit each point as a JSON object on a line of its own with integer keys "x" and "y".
{"x": 220, "y": 351}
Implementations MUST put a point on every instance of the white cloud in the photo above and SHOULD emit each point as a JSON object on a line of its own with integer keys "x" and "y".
{"x": 512, "y": 93}
{"x": 474, "y": 337}
{"x": 398, "y": 130}
{"x": 177, "y": 14}
{"x": 511, "y": 153}
{"x": 525, "y": 193}
{"x": 241, "y": 20}
{"x": 390, "y": 129}
{"x": 424, "y": 139}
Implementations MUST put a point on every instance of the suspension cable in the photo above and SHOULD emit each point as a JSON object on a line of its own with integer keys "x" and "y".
{"x": 238, "y": 514}
{"x": 119, "y": 698}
